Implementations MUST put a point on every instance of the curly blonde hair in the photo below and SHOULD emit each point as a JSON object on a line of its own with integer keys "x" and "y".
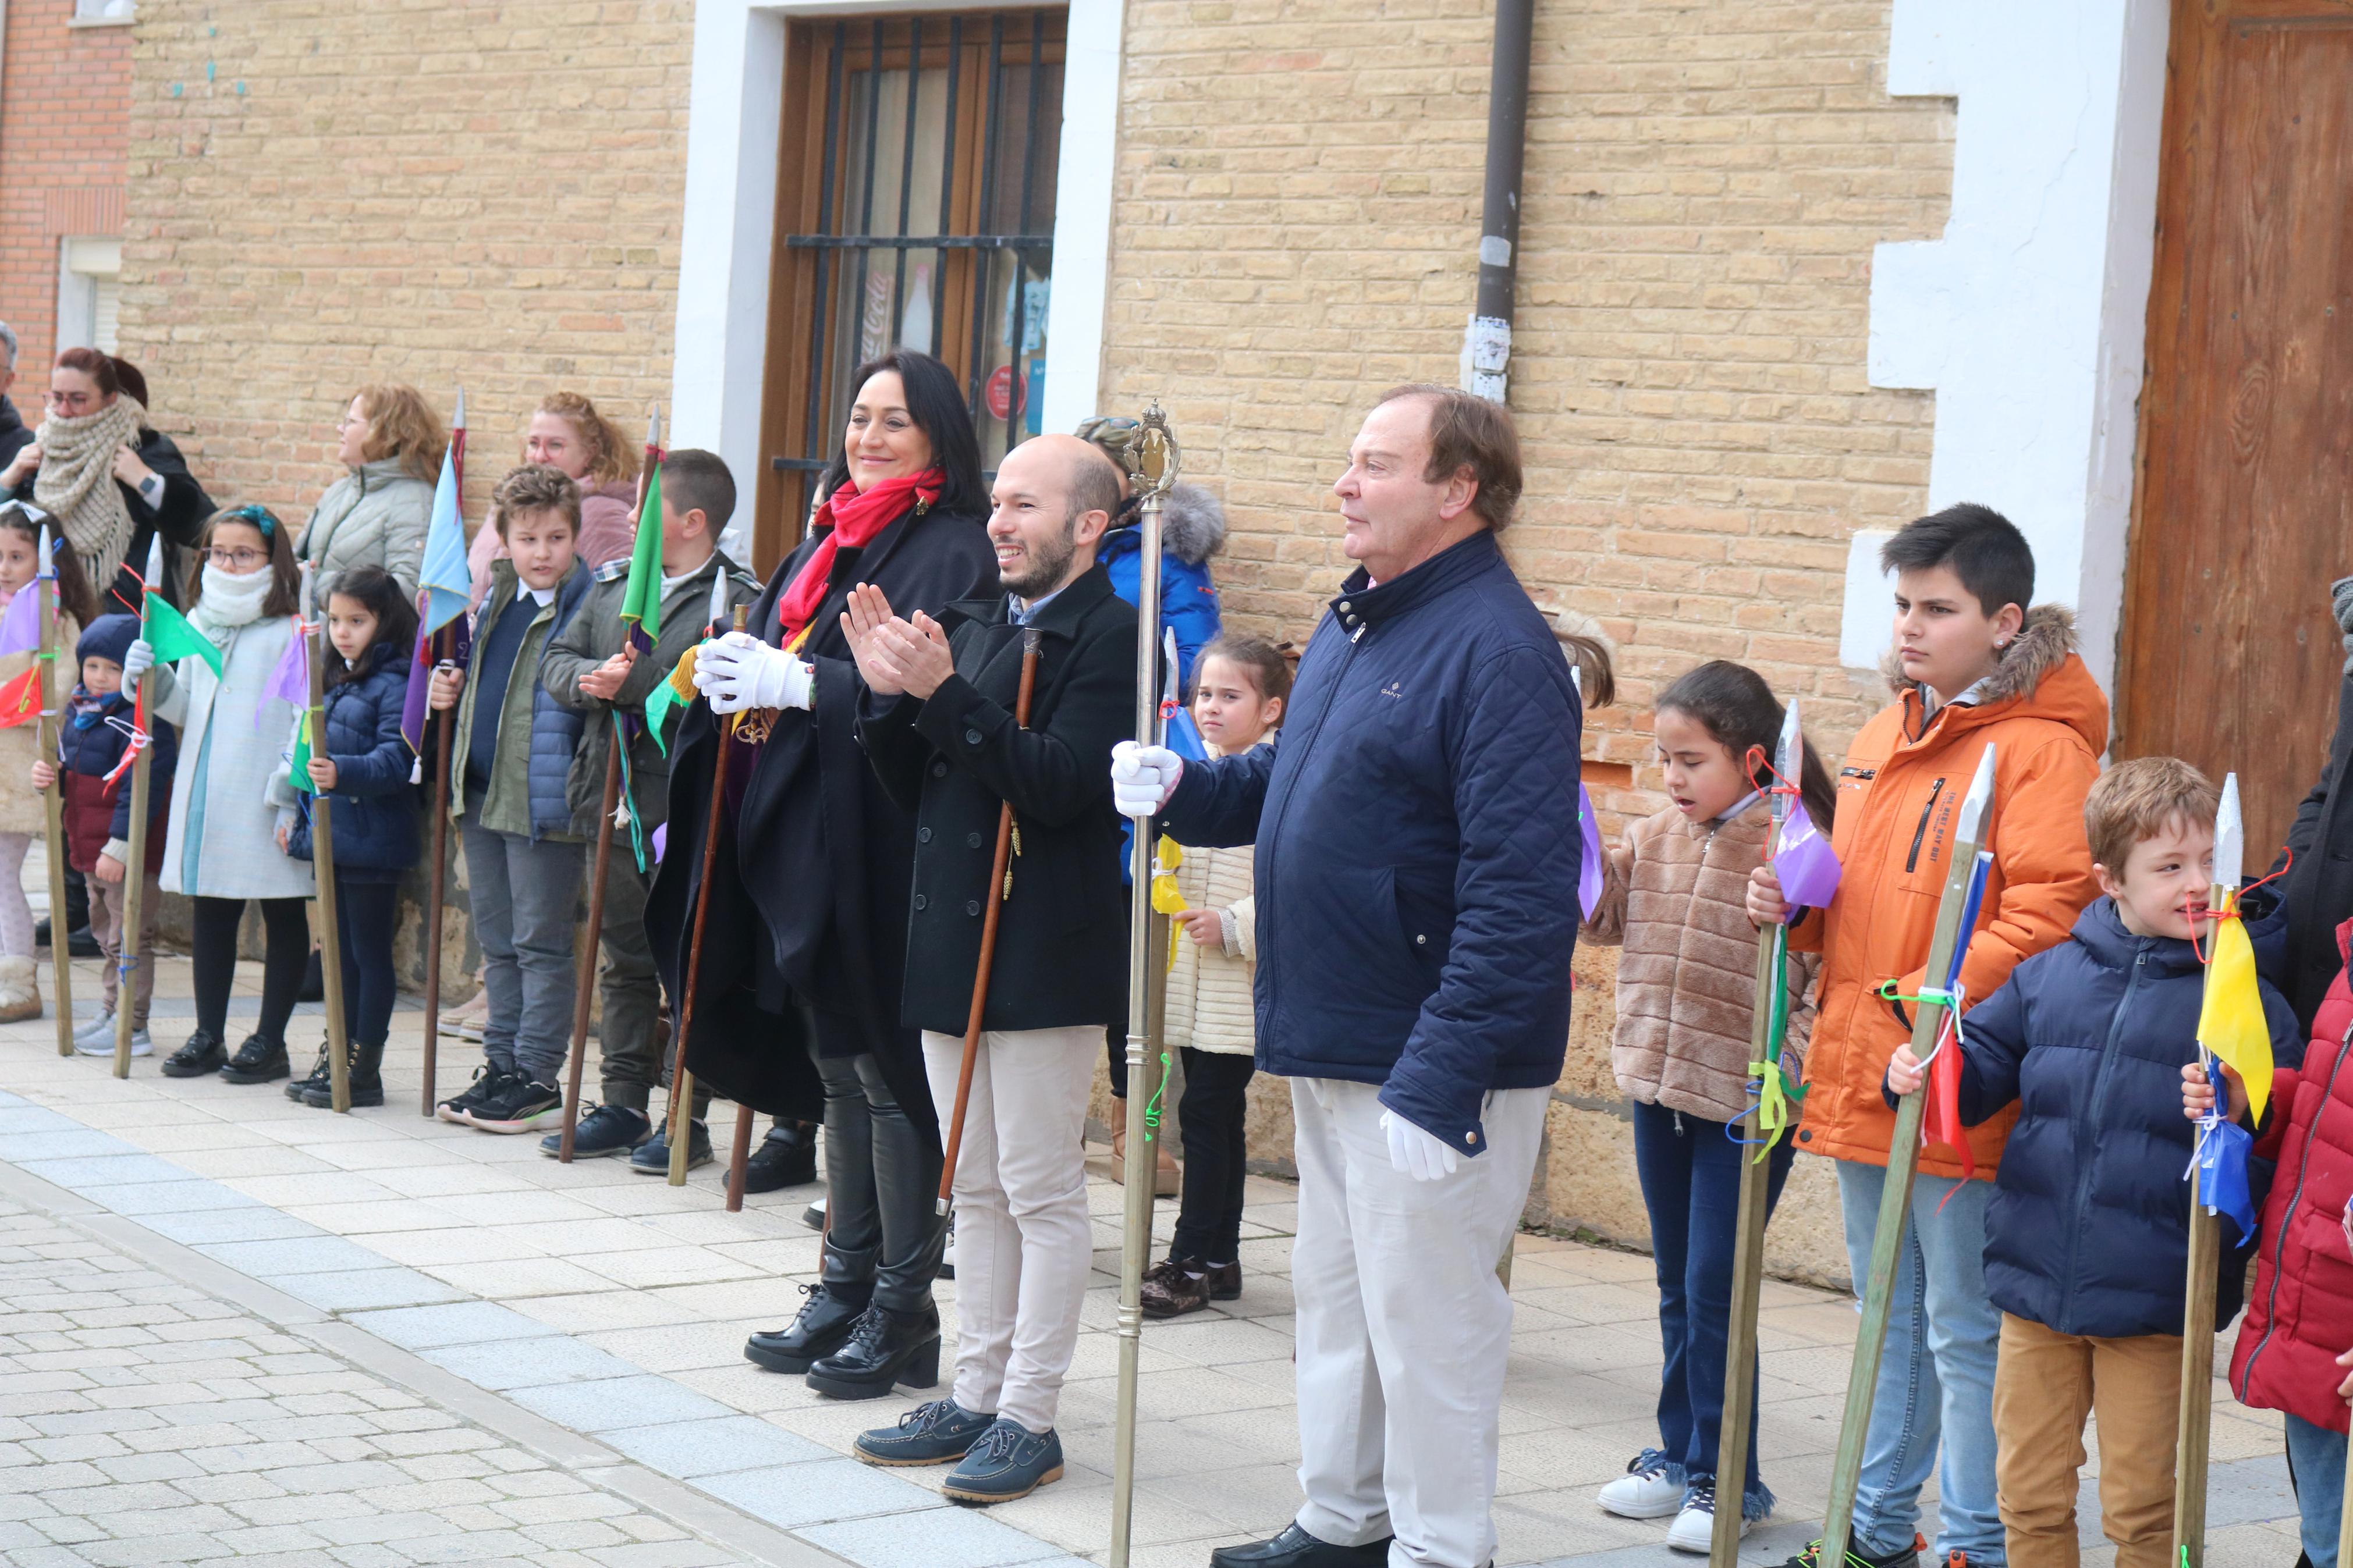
{"x": 611, "y": 457}
{"x": 402, "y": 425}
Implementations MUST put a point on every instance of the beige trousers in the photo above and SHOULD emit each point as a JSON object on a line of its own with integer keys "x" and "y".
{"x": 2043, "y": 1386}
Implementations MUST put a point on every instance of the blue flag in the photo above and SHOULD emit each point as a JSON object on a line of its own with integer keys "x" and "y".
{"x": 2222, "y": 1150}
{"x": 447, "y": 584}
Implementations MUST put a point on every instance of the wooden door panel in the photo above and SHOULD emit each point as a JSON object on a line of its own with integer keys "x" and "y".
{"x": 2244, "y": 510}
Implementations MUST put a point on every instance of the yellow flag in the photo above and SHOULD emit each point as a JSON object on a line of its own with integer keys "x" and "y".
{"x": 2230, "y": 1020}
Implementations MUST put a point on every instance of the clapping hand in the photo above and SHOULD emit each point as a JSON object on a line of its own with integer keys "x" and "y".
{"x": 604, "y": 682}
{"x": 895, "y": 656}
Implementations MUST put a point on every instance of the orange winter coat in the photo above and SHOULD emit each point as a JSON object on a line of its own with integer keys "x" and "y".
{"x": 1898, "y": 805}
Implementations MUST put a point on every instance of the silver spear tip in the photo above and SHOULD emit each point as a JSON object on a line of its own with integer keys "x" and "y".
{"x": 2230, "y": 836}
{"x": 1978, "y": 801}
{"x": 457, "y": 420}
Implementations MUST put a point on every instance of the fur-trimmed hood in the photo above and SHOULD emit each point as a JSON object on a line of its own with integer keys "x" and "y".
{"x": 2040, "y": 670}
{"x": 1192, "y": 526}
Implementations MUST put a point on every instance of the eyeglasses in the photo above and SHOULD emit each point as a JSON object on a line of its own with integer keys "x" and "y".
{"x": 69, "y": 401}
{"x": 241, "y": 560}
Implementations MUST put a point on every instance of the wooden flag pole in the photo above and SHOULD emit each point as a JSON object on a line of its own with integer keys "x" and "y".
{"x": 1767, "y": 1026}
{"x": 134, "y": 874}
{"x": 437, "y": 876}
{"x": 53, "y": 799}
{"x": 681, "y": 1082}
{"x": 2196, "y": 1409}
{"x": 1902, "y": 1164}
{"x": 585, "y": 985}
{"x": 1159, "y": 456}
{"x": 322, "y": 853}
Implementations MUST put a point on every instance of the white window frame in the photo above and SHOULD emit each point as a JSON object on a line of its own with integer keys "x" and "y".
{"x": 82, "y": 260}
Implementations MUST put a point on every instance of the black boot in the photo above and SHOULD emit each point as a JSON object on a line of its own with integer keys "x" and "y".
{"x": 203, "y": 1054}
{"x": 318, "y": 1077}
{"x": 825, "y": 1321}
{"x": 786, "y": 1157}
{"x": 366, "y": 1079}
{"x": 884, "y": 1348}
{"x": 257, "y": 1062}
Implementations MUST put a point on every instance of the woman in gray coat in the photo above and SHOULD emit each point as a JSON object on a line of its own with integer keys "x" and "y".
{"x": 390, "y": 441}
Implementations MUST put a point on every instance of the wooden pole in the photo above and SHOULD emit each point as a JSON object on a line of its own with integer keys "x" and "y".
{"x": 1001, "y": 887}
{"x": 134, "y": 876}
{"x": 1902, "y": 1164}
{"x": 437, "y": 878}
{"x": 681, "y": 1082}
{"x": 1766, "y": 1025}
{"x": 739, "y": 1159}
{"x": 322, "y": 854}
{"x": 2196, "y": 1409}
{"x": 1159, "y": 456}
{"x": 53, "y": 808}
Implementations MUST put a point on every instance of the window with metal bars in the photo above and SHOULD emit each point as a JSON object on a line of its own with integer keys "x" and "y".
{"x": 915, "y": 208}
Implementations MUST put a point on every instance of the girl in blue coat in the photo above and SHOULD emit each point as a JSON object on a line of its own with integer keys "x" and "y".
{"x": 363, "y": 769}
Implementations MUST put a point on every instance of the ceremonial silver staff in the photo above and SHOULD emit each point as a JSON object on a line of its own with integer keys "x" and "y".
{"x": 1157, "y": 456}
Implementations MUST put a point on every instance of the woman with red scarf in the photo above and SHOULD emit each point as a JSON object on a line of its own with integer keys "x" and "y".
{"x": 797, "y": 1005}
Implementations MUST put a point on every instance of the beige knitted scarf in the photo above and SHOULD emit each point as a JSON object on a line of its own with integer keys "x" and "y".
{"x": 76, "y": 486}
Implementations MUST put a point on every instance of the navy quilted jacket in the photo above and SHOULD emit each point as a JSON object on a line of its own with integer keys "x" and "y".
{"x": 2089, "y": 1226}
{"x": 376, "y": 812}
{"x": 1417, "y": 858}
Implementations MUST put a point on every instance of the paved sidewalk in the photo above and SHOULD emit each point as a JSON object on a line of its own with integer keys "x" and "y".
{"x": 585, "y": 1325}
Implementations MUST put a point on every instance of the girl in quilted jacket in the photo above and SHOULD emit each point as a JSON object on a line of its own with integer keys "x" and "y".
{"x": 1672, "y": 899}
{"x": 1240, "y": 685}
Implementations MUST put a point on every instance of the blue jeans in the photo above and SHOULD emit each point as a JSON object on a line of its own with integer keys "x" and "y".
{"x": 2317, "y": 1455}
{"x": 1936, "y": 1375}
{"x": 1691, "y": 1184}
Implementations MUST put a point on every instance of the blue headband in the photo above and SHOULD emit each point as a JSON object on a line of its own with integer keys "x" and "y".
{"x": 259, "y": 516}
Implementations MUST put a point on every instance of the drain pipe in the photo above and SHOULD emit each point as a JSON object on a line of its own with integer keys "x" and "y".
{"x": 1487, "y": 342}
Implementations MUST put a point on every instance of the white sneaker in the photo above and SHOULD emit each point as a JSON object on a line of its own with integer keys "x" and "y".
{"x": 1694, "y": 1526}
{"x": 1643, "y": 1492}
{"x": 141, "y": 1043}
{"x": 102, "y": 1026}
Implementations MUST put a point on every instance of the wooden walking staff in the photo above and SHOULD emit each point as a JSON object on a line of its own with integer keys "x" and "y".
{"x": 681, "y": 1082}
{"x": 1000, "y": 884}
{"x": 584, "y": 991}
{"x": 445, "y": 650}
{"x": 1768, "y": 1023}
{"x": 53, "y": 799}
{"x": 134, "y": 880}
{"x": 1158, "y": 458}
{"x": 1955, "y": 909}
{"x": 323, "y": 850}
{"x": 2196, "y": 1409}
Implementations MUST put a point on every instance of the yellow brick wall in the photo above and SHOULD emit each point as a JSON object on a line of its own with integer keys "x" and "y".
{"x": 324, "y": 194}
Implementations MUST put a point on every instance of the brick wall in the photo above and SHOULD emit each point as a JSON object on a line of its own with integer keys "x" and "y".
{"x": 65, "y": 95}
{"x": 324, "y": 193}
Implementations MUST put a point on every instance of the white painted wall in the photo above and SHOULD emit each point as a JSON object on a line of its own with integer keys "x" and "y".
{"x": 728, "y": 233}
{"x": 2027, "y": 318}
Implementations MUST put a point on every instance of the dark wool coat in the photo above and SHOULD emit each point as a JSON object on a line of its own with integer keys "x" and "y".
{"x": 181, "y": 520}
{"x": 1061, "y": 936}
{"x": 2089, "y": 1226}
{"x": 375, "y": 806}
{"x": 816, "y": 863}
{"x": 1418, "y": 844}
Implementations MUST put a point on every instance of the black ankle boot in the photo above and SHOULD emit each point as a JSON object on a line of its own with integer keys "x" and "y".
{"x": 825, "y": 1321}
{"x": 318, "y": 1077}
{"x": 884, "y": 1348}
{"x": 257, "y": 1062}
{"x": 366, "y": 1079}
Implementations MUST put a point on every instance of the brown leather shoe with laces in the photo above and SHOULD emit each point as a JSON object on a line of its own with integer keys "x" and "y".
{"x": 1171, "y": 1289}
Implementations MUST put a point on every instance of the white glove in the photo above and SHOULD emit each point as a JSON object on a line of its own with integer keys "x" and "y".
{"x": 1143, "y": 778}
{"x": 137, "y": 660}
{"x": 1415, "y": 1151}
{"x": 738, "y": 671}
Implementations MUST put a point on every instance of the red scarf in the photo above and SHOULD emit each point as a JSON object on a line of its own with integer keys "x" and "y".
{"x": 849, "y": 517}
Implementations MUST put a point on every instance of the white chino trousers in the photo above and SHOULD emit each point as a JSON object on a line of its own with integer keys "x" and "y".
{"x": 1024, "y": 1245}
{"x": 1403, "y": 1325}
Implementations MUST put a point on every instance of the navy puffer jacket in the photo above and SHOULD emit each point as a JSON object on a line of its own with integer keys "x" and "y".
{"x": 1417, "y": 844}
{"x": 376, "y": 814}
{"x": 2089, "y": 1226}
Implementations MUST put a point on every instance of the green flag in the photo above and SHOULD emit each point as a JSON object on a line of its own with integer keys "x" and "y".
{"x": 641, "y": 600}
{"x": 301, "y": 763}
{"x": 168, "y": 633}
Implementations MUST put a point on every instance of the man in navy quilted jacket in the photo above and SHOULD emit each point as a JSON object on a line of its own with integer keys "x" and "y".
{"x": 1416, "y": 869}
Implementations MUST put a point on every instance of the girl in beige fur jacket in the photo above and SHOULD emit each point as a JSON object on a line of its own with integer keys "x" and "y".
{"x": 22, "y": 814}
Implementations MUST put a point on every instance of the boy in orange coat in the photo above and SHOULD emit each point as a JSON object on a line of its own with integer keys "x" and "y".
{"x": 1972, "y": 666}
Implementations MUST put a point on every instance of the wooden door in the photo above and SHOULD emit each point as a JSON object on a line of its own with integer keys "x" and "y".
{"x": 2244, "y": 510}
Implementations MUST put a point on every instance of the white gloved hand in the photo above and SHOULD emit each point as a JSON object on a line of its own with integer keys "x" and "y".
{"x": 1415, "y": 1151}
{"x": 1143, "y": 778}
{"x": 738, "y": 671}
{"x": 137, "y": 660}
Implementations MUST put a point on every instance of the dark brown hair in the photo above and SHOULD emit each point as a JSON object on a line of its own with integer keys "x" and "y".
{"x": 1269, "y": 671}
{"x": 74, "y": 595}
{"x": 381, "y": 595}
{"x": 94, "y": 363}
{"x": 535, "y": 487}
{"x": 1739, "y": 711}
{"x": 1467, "y": 432}
{"x": 285, "y": 597}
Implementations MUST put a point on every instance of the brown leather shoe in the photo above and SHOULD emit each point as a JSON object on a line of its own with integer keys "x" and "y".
{"x": 1171, "y": 1289}
{"x": 1225, "y": 1280}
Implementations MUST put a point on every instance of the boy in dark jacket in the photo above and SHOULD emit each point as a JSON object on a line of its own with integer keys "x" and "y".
{"x": 2087, "y": 1234}
{"x": 513, "y": 745}
{"x": 98, "y": 820}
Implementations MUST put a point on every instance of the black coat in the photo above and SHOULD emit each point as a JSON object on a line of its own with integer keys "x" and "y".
{"x": 15, "y": 433}
{"x": 1062, "y": 937}
{"x": 2318, "y": 891}
{"x": 181, "y": 520}
{"x": 812, "y": 884}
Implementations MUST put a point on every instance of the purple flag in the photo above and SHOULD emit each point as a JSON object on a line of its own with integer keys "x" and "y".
{"x": 1804, "y": 861}
{"x": 1588, "y": 860}
{"x": 291, "y": 679}
{"x": 20, "y": 627}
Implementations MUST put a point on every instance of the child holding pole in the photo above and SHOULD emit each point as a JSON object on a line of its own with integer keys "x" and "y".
{"x": 1972, "y": 666}
{"x": 1672, "y": 899}
{"x": 22, "y": 814}
{"x": 362, "y": 766}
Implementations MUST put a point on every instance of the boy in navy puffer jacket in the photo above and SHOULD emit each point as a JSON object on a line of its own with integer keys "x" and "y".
{"x": 2087, "y": 1235}
{"x": 98, "y": 818}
